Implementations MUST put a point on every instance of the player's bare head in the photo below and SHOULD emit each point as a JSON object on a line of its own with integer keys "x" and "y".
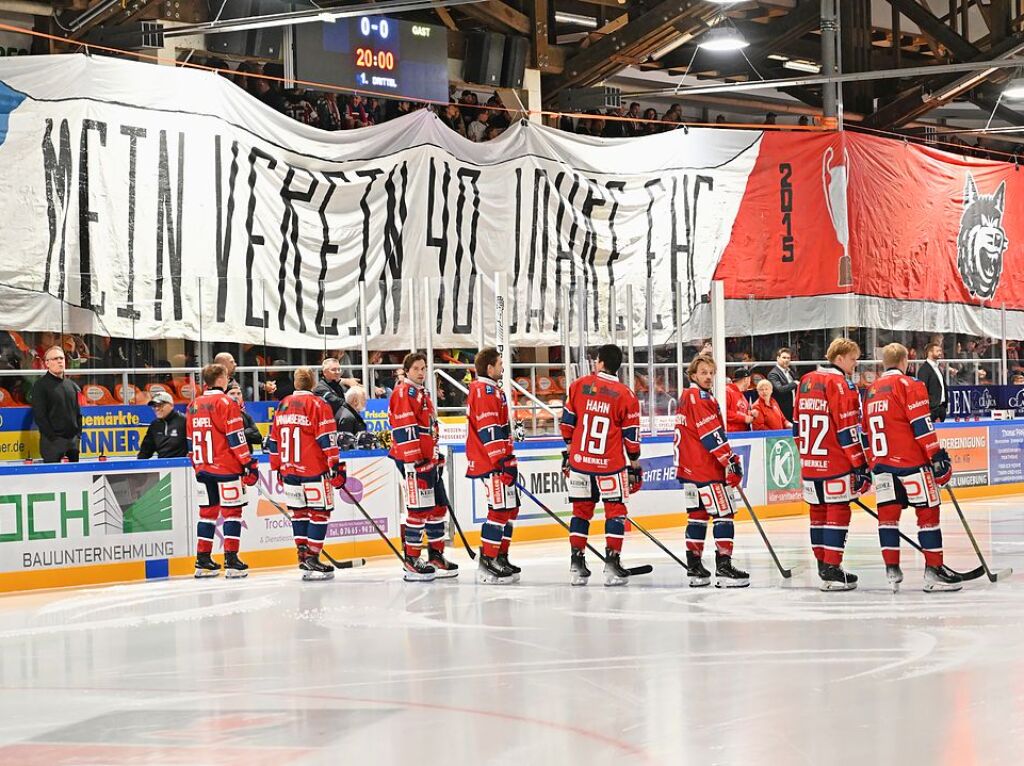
{"x": 215, "y": 376}
{"x": 702, "y": 370}
{"x": 843, "y": 353}
{"x": 488, "y": 363}
{"x": 415, "y": 366}
{"x": 227, "y": 361}
{"x": 610, "y": 357}
{"x": 303, "y": 379}
{"x": 895, "y": 356}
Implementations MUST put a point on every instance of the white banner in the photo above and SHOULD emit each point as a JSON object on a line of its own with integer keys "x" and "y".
{"x": 154, "y": 202}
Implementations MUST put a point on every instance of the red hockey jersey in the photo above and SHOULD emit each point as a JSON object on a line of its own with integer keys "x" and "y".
{"x": 737, "y": 407}
{"x": 413, "y": 424}
{"x": 826, "y": 413}
{"x": 488, "y": 439}
{"x": 601, "y": 424}
{"x": 898, "y": 423}
{"x": 303, "y": 438}
{"x": 702, "y": 447}
{"x": 215, "y": 435}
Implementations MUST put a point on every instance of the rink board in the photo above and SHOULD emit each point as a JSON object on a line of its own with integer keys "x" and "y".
{"x": 123, "y": 520}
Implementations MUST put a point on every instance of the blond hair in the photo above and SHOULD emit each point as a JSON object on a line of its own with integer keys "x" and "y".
{"x": 893, "y": 355}
{"x": 698, "y": 361}
{"x": 303, "y": 379}
{"x": 841, "y": 347}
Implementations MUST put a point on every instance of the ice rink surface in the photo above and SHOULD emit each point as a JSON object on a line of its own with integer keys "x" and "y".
{"x": 370, "y": 670}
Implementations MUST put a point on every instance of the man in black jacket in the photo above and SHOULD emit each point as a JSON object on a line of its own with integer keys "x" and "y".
{"x": 56, "y": 411}
{"x": 930, "y": 374}
{"x": 349, "y": 416}
{"x": 783, "y": 382}
{"x": 332, "y": 386}
{"x": 165, "y": 436}
{"x": 253, "y": 437}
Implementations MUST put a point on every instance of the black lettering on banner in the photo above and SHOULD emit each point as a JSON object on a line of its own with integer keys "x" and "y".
{"x": 594, "y": 200}
{"x": 254, "y": 240}
{"x": 656, "y": 323}
{"x": 561, "y": 254}
{"x": 394, "y": 253}
{"x": 290, "y": 242}
{"x": 690, "y": 214}
{"x": 514, "y": 319}
{"x": 87, "y": 216}
{"x": 614, "y": 189}
{"x": 133, "y": 134}
{"x": 223, "y": 244}
{"x": 168, "y": 224}
{"x": 57, "y": 176}
{"x": 786, "y": 209}
{"x": 440, "y": 242}
{"x": 473, "y": 176}
{"x": 364, "y": 206}
{"x": 540, "y": 222}
{"x": 327, "y": 248}
{"x": 675, "y": 248}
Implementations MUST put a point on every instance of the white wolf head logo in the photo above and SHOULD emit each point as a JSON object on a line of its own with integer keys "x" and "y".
{"x": 981, "y": 241}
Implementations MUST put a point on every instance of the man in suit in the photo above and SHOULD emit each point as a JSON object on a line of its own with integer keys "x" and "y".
{"x": 933, "y": 379}
{"x": 783, "y": 382}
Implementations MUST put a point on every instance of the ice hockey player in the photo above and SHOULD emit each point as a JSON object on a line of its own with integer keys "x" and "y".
{"x": 414, "y": 449}
{"x": 601, "y": 427}
{"x": 833, "y": 466}
{"x": 302, "y": 446}
{"x": 908, "y": 464}
{"x": 223, "y": 466}
{"x": 491, "y": 459}
{"x": 708, "y": 469}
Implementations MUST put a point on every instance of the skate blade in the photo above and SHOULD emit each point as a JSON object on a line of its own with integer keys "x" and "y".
{"x": 837, "y": 586}
{"x": 578, "y": 580}
{"x": 236, "y": 574}
{"x": 895, "y": 585}
{"x": 728, "y": 582}
{"x": 442, "y": 573}
{"x": 415, "y": 577}
{"x": 700, "y": 582}
{"x": 316, "y": 576}
{"x": 486, "y": 579}
{"x": 203, "y": 573}
{"x": 610, "y": 581}
{"x": 942, "y": 587}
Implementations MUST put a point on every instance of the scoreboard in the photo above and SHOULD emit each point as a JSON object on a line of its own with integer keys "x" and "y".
{"x": 391, "y": 57}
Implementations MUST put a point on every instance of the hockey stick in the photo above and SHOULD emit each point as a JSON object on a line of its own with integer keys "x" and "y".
{"x": 992, "y": 576}
{"x": 786, "y": 573}
{"x": 657, "y": 542}
{"x": 640, "y": 570}
{"x": 451, "y": 512}
{"x": 974, "y": 574}
{"x": 337, "y": 564}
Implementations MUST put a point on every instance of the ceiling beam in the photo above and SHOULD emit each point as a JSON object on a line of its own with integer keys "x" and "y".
{"x": 496, "y": 14}
{"x": 934, "y": 28}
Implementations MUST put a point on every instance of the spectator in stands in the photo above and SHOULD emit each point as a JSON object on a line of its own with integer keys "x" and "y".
{"x": 374, "y": 111}
{"x": 493, "y": 131}
{"x": 770, "y": 118}
{"x": 252, "y": 431}
{"x": 298, "y": 106}
{"x": 468, "y": 105}
{"x": 767, "y": 413}
{"x": 1017, "y": 379}
{"x": 499, "y": 114}
{"x": 783, "y": 382}
{"x": 649, "y": 125}
{"x": 634, "y": 127}
{"x": 271, "y": 91}
{"x": 56, "y": 410}
{"x": 332, "y": 387}
{"x": 933, "y": 378}
{"x": 674, "y": 114}
{"x": 738, "y": 415}
{"x": 165, "y": 436}
{"x": 453, "y": 119}
{"x": 356, "y": 115}
{"x": 327, "y": 112}
{"x": 615, "y": 127}
{"x": 476, "y": 129}
{"x": 349, "y": 416}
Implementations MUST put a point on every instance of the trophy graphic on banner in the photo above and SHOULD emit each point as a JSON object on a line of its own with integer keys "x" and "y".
{"x": 834, "y": 179}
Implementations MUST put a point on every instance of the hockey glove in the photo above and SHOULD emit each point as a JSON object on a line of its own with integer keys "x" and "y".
{"x": 861, "y": 480}
{"x": 636, "y": 479}
{"x": 339, "y": 474}
{"x": 565, "y": 463}
{"x": 426, "y": 472}
{"x": 508, "y": 470}
{"x": 251, "y": 473}
{"x": 942, "y": 467}
{"x": 734, "y": 471}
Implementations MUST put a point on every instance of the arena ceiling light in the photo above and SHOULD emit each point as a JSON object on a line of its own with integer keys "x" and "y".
{"x": 722, "y": 38}
{"x": 1014, "y": 88}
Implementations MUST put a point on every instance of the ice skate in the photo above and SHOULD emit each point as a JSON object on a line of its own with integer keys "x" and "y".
{"x": 834, "y": 578}
{"x": 728, "y": 576}
{"x": 614, "y": 573}
{"x": 699, "y": 575}
{"x": 206, "y": 566}
{"x": 301, "y": 551}
{"x": 941, "y": 579}
{"x": 578, "y": 572}
{"x": 314, "y": 569}
{"x": 895, "y": 576}
{"x": 417, "y": 570}
{"x": 442, "y": 566}
{"x": 490, "y": 572}
{"x": 234, "y": 567}
{"x": 502, "y": 559}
